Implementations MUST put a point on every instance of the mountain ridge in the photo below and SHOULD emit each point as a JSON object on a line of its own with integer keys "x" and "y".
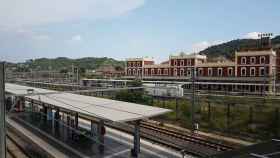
{"x": 227, "y": 49}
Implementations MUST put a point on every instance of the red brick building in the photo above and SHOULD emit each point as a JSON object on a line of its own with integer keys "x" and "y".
{"x": 252, "y": 70}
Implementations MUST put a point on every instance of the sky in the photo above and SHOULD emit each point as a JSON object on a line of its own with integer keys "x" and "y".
{"x": 122, "y": 29}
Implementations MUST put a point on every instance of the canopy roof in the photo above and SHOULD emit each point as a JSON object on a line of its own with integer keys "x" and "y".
{"x": 107, "y": 109}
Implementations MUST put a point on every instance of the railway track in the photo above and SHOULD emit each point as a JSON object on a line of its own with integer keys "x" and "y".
{"x": 14, "y": 150}
{"x": 178, "y": 141}
{"x": 186, "y": 137}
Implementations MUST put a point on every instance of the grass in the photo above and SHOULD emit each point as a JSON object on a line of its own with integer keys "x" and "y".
{"x": 248, "y": 118}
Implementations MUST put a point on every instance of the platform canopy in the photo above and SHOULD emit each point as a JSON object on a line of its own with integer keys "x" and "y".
{"x": 107, "y": 109}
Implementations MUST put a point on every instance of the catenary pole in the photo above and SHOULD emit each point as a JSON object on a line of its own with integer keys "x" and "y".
{"x": 2, "y": 112}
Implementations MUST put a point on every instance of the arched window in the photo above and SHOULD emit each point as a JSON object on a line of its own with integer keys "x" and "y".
{"x": 262, "y": 71}
{"x": 139, "y": 72}
{"x": 129, "y": 72}
{"x": 210, "y": 71}
{"x": 182, "y": 62}
{"x": 200, "y": 71}
{"x": 165, "y": 71}
{"x": 262, "y": 60}
{"x": 182, "y": 72}
{"x": 175, "y": 72}
{"x": 134, "y": 72}
{"x": 152, "y": 71}
{"x": 146, "y": 71}
{"x": 252, "y": 60}
{"x": 220, "y": 71}
{"x": 243, "y": 71}
{"x": 189, "y": 72}
{"x": 243, "y": 60}
{"x": 189, "y": 62}
{"x": 159, "y": 71}
{"x": 252, "y": 71}
{"x": 230, "y": 71}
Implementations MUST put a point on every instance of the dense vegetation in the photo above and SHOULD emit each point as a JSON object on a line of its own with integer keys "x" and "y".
{"x": 227, "y": 49}
{"x": 63, "y": 63}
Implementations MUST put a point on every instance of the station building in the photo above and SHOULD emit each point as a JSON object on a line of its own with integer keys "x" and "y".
{"x": 252, "y": 70}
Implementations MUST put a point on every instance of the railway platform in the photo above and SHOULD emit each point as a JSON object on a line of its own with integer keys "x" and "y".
{"x": 117, "y": 144}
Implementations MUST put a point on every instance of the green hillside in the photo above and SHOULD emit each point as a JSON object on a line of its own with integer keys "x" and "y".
{"x": 227, "y": 49}
{"x": 62, "y": 63}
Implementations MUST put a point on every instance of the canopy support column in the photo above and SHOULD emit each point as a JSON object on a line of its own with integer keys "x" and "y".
{"x": 91, "y": 128}
{"x": 101, "y": 133}
{"x": 76, "y": 120}
{"x": 22, "y": 104}
{"x": 45, "y": 112}
{"x": 57, "y": 118}
{"x": 136, "y": 148}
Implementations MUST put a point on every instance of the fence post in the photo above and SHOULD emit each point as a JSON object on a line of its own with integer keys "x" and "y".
{"x": 277, "y": 122}
{"x": 209, "y": 111}
{"x": 176, "y": 100}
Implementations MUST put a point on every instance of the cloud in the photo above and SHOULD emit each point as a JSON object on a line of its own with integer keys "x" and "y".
{"x": 197, "y": 47}
{"x": 252, "y": 35}
{"x": 29, "y": 34}
{"x": 41, "y": 37}
{"x": 19, "y": 13}
{"x": 76, "y": 38}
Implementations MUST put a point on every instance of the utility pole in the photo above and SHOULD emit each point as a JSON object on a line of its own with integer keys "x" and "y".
{"x": 193, "y": 99}
{"x": 72, "y": 75}
{"x": 77, "y": 75}
{"x": 2, "y": 112}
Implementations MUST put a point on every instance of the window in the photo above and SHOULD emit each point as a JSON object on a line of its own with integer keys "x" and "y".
{"x": 262, "y": 71}
{"x": 243, "y": 71}
{"x": 139, "y": 64}
{"x": 252, "y": 71}
{"x": 210, "y": 72}
{"x": 252, "y": 60}
{"x": 220, "y": 71}
{"x": 146, "y": 71}
{"x": 159, "y": 71}
{"x": 134, "y": 64}
{"x": 166, "y": 71}
{"x": 134, "y": 72}
{"x": 262, "y": 60}
{"x": 181, "y": 72}
{"x": 152, "y": 71}
{"x": 230, "y": 71}
{"x": 243, "y": 60}
{"x": 200, "y": 72}
{"x": 189, "y": 72}
{"x": 175, "y": 62}
{"x": 189, "y": 62}
{"x": 139, "y": 72}
{"x": 175, "y": 72}
{"x": 129, "y": 72}
{"x": 182, "y": 62}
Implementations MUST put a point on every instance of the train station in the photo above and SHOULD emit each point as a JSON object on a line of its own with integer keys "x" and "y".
{"x": 72, "y": 109}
